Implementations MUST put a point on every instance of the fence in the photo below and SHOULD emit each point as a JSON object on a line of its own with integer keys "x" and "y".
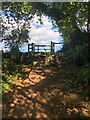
{"x": 46, "y": 48}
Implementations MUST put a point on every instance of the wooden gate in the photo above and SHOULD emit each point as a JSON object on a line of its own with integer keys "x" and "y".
{"x": 46, "y": 48}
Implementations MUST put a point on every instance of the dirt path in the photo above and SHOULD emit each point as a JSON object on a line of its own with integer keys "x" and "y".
{"x": 45, "y": 95}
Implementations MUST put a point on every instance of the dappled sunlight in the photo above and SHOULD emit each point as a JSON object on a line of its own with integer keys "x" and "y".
{"x": 35, "y": 77}
{"x": 71, "y": 96}
{"x": 66, "y": 106}
{"x": 44, "y": 96}
{"x": 26, "y": 100}
{"x": 45, "y": 60}
{"x": 28, "y": 106}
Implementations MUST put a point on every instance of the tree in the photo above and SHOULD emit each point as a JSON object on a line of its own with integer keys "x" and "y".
{"x": 72, "y": 18}
{"x": 14, "y": 35}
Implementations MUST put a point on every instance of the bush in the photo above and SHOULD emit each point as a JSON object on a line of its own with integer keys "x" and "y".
{"x": 80, "y": 55}
{"x": 8, "y": 66}
{"x": 84, "y": 75}
{"x": 77, "y": 56}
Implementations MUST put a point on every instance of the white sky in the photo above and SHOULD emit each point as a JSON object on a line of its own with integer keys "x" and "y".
{"x": 43, "y": 34}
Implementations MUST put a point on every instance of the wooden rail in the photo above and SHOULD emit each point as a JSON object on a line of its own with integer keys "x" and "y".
{"x": 36, "y": 48}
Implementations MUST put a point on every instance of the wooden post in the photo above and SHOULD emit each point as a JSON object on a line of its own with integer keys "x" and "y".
{"x": 52, "y": 46}
{"x": 33, "y": 47}
{"x": 38, "y": 48}
{"x": 28, "y": 47}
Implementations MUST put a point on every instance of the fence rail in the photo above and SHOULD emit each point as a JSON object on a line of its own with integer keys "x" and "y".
{"x": 37, "y": 48}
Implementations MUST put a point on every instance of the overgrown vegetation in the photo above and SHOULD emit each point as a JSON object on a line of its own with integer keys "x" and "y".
{"x": 84, "y": 75}
{"x": 12, "y": 70}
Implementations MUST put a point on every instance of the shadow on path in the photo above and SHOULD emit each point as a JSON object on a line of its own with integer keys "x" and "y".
{"x": 43, "y": 96}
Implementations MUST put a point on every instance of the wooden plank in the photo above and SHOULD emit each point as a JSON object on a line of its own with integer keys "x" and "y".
{"x": 42, "y": 49}
{"x": 42, "y": 45}
{"x": 58, "y": 43}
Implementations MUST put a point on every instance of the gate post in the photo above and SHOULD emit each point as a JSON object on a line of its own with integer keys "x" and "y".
{"x": 33, "y": 47}
{"x": 52, "y": 47}
{"x": 29, "y": 47}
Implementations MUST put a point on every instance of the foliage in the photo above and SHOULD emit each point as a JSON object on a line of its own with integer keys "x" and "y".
{"x": 80, "y": 54}
{"x": 77, "y": 56}
{"x": 17, "y": 7}
{"x": 5, "y": 88}
{"x": 26, "y": 58}
{"x": 73, "y": 20}
{"x": 73, "y": 24}
{"x": 11, "y": 68}
{"x": 84, "y": 75}
{"x": 11, "y": 72}
{"x": 17, "y": 34}
{"x": 68, "y": 16}
{"x": 16, "y": 23}
{"x": 8, "y": 66}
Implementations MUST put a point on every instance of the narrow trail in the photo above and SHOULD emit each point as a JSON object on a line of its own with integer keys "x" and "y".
{"x": 45, "y": 95}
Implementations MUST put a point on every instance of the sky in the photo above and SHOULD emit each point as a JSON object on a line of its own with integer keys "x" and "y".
{"x": 40, "y": 34}
{"x": 43, "y": 34}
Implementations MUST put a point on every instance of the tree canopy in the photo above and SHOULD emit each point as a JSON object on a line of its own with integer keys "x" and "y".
{"x": 69, "y": 16}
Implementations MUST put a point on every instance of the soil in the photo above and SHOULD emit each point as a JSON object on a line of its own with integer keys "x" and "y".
{"x": 45, "y": 95}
